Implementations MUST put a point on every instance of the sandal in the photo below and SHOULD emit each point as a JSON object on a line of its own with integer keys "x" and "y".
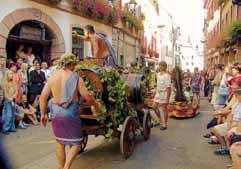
{"x": 154, "y": 125}
{"x": 207, "y": 135}
{"x": 163, "y": 128}
{"x": 222, "y": 151}
{"x": 212, "y": 142}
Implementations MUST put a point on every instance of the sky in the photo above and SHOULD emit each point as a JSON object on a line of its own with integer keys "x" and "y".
{"x": 188, "y": 14}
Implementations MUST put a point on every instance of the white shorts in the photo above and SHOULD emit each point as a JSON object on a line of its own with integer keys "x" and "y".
{"x": 233, "y": 130}
{"x": 222, "y": 129}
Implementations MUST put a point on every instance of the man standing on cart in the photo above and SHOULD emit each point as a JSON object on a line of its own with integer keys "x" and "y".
{"x": 100, "y": 46}
{"x": 65, "y": 87}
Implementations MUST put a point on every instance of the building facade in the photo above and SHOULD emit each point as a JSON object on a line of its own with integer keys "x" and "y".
{"x": 190, "y": 56}
{"x": 219, "y": 45}
{"x": 47, "y": 28}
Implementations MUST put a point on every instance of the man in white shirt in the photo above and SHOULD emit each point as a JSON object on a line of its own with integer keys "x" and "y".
{"x": 45, "y": 69}
{"x": 53, "y": 68}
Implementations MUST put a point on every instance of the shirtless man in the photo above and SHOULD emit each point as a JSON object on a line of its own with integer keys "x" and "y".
{"x": 100, "y": 46}
{"x": 64, "y": 87}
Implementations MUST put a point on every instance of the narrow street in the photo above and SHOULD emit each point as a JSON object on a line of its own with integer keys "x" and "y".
{"x": 180, "y": 147}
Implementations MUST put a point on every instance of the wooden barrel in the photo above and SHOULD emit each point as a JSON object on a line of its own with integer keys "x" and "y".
{"x": 133, "y": 81}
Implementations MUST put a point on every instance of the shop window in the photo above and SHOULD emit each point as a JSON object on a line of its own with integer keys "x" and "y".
{"x": 78, "y": 44}
{"x": 166, "y": 50}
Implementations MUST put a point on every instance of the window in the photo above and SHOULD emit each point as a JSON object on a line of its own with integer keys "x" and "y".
{"x": 226, "y": 18}
{"x": 166, "y": 50}
{"x": 78, "y": 44}
{"x": 231, "y": 14}
{"x": 122, "y": 62}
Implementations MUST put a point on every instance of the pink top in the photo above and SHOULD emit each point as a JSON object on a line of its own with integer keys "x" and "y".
{"x": 17, "y": 82}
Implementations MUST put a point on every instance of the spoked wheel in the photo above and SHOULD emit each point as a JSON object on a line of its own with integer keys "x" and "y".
{"x": 146, "y": 125}
{"x": 83, "y": 143}
{"x": 127, "y": 139}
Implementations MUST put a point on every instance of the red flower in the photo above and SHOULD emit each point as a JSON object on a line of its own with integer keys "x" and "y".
{"x": 87, "y": 7}
{"x": 76, "y": 2}
{"x": 101, "y": 9}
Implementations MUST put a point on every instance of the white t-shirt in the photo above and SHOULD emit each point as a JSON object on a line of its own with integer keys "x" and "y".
{"x": 46, "y": 72}
{"x": 163, "y": 83}
{"x": 236, "y": 111}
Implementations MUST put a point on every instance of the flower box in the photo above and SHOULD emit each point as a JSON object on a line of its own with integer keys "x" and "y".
{"x": 99, "y": 10}
{"x": 55, "y": 1}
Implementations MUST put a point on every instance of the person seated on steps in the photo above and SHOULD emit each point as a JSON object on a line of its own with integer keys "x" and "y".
{"x": 232, "y": 121}
{"x": 220, "y": 116}
{"x": 29, "y": 111}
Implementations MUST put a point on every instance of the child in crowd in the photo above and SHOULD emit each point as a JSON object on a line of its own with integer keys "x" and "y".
{"x": 26, "y": 109}
{"x": 188, "y": 94}
{"x": 8, "y": 114}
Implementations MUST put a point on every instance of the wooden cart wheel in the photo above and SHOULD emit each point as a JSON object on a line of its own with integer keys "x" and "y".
{"x": 127, "y": 139}
{"x": 147, "y": 125}
{"x": 83, "y": 143}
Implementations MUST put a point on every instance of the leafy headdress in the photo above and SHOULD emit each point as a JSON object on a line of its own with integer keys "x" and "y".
{"x": 67, "y": 59}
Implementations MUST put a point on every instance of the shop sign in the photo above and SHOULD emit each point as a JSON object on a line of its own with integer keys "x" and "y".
{"x": 28, "y": 32}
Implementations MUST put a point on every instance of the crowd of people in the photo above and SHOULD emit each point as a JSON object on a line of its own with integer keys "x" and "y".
{"x": 24, "y": 79}
{"x": 21, "y": 83}
{"x": 223, "y": 87}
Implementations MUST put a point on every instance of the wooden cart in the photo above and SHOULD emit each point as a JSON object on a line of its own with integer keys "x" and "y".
{"x": 95, "y": 125}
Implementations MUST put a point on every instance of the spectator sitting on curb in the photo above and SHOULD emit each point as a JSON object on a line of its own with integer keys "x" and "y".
{"x": 26, "y": 109}
{"x": 221, "y": 131}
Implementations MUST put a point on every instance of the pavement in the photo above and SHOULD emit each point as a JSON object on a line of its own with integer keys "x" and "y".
{"x": 182, "y": 146}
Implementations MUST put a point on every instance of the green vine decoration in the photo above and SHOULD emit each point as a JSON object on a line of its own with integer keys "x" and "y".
{"x": 132, "y": 20}
{"x": 234, "y": 29}
{"x": 113, "y": 98}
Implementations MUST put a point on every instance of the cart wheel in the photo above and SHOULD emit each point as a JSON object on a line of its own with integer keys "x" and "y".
{"x": 83, "y": 143}
{"x": 127, "y": 139}
{"x": 146, "y": 126}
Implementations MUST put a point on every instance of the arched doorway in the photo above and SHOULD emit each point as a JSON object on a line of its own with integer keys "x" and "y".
{"x": 31, "y": 18}
{"x": 30, "y": 33}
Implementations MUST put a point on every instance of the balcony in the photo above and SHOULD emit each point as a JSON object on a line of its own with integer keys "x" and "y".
{"x": 103, "y": 11}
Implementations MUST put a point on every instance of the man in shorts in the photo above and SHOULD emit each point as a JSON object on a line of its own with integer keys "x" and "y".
{"x": 221, "y": 131}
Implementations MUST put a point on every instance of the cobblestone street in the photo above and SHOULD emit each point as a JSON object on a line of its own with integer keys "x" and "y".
{"x": 180, "y": 147}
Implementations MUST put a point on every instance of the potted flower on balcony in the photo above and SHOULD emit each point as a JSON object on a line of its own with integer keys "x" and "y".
{"x": 101, "y": 9}
{"x": 87, "y": 7}
{"x": 235, "y": 31}
{"x": 76, "y": 4}
{"x": 124, "y": 17}
{"x": 142, "y": 16}
{"x": 114, "y": 16}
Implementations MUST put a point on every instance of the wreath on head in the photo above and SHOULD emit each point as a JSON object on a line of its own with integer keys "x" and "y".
{"x": 67, "y": 59}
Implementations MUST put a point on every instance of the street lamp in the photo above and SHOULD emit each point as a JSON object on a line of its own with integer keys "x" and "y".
{"x": 132, "y": 6}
